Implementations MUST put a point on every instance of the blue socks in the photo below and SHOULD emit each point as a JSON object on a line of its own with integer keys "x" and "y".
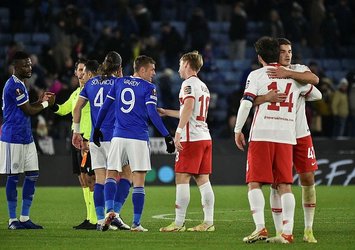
{"x": 122, "y": 192}
{"x": 28, "y": 191}
{"x": 110, "y": 191}
{"x": 138, "y": 204}
{"x": 99, "y": 200}
{"x": 11, "y": 194}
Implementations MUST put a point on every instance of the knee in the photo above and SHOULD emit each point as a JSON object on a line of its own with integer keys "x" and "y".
{"x": 32, "y": 175}
{"x": 307, "y": 179}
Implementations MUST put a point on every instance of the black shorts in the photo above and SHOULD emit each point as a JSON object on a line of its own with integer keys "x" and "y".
{"x": 76, "y": 162}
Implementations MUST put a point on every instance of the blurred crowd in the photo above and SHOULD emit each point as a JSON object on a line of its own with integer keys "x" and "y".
{"x": 222, "y": 30}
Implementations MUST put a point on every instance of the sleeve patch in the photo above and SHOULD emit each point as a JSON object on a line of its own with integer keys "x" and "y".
{"x": 153, "y": 97}
{"x": 154, "y": 92}
{"x": 19, "y": 92}
{"x": 187, "y": 90}
{"x": 247, "y": 84}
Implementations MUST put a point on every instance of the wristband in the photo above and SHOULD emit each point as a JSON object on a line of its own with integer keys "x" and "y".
{"x": 179, "y": 130}
{"x": 76, "y": 127}
{"x": 237, "y": 130}
{"x": 44, "y": 104}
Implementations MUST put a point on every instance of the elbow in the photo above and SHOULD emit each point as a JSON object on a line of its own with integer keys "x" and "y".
{"x": 315, "y": 80}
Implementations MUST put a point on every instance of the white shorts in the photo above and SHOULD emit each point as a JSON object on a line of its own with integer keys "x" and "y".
{"x": 99, "y": 155}
{"x": 125, "y": 151}
{"x": 18, "y": 158}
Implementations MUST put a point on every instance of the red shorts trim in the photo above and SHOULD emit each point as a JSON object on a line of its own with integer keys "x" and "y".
{"x": 304, "y": 157}
{"x": 195, "y": 158}
{"x": 269, "y": 162}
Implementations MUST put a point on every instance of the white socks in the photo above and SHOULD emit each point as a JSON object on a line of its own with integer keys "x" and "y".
{"x": 276, "y": 208}
{"x": 257, "y": 206}
{"x": 288, "y": 211}
{"x": 309, "y": 205}
{"x": 207, "y": 201}
{"x": 181, "y": 203}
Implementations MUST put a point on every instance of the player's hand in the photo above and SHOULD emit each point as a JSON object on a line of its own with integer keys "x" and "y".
{"x": 278, "y": 72}
{"x": 51, "y": 100}
{"x": 77, "y": 140}
{"x": 240, "y": 140}
{"x": 161, "y": 111}
{"x": 170, "y": 146}
{"x": 45, "y": 96}
{"x": 178, "y": 145}
{"x": 84, "y": 147}
{"x": 97, "y": 136}
{"x": 274, "y": 96}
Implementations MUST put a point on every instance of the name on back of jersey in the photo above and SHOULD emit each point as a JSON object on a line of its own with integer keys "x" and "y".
{"x": 104, "y": 82}
{"x": 131, "y": 82}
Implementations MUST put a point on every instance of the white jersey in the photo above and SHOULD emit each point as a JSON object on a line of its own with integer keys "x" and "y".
{"x": 302, "y": 128}
{"x": 196, "y": 128}
{"x": 274, "y": 122}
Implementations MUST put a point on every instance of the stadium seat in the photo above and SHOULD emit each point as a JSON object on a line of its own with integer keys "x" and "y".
{"x": 22, "y": 37}
{"x": 224, "y": 64}
{"x": 40, "y": 38}
{"x": 348, "y": 64}
{"x": 5, "y": 38}
{"x": 241, "y": 64}
{"x": 33, "y": 49}
{"x": 180, "y": 27}
{"x": 331, "y": 64}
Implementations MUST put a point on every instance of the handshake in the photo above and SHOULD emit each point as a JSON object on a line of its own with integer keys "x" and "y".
{"x": 170, "y": 146}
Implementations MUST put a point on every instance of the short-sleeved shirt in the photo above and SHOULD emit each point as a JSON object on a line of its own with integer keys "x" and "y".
{"x": 132, "y": 95}
{"x": 274, "y": 122}
{"x": 95, "y": 91}
{"x": 196, "y": 128}
{"x": 302, "y": 128}
{"x": 16, "y": 127}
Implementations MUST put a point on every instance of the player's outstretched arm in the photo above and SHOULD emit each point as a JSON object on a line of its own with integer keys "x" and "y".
{"x": 301, "y": 77}
{"x": 168, "y": 112}
{"x": 45, "y": 100}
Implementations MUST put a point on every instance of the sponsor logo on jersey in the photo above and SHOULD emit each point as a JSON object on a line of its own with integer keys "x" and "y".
{"x": 187, "y": 90}
{"x": 247, "y": 84}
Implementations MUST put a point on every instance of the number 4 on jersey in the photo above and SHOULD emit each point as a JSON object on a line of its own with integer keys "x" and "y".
{"x": 289, "y": 104}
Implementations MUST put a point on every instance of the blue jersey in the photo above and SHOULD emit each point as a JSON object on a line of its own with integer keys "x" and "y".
{"x": 95, "y": 91}
{"x": 132, "y": 95}
{"x": 17, "y": 125}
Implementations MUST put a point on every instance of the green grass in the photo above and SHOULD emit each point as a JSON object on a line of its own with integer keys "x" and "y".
{"x": 58, "y": 209}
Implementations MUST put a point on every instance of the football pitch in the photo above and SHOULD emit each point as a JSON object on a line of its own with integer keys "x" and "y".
{"x": 58, "y": 209}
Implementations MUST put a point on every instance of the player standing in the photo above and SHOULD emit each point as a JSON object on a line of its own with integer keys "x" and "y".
{"x": 18, "y": 152}
{"x": 304, "y": 158}
{"x": 271, "y": 138}
{"x": 194, "y": 145}
{"x": 95, "y": 91}
{"x": 135, "y": 99}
